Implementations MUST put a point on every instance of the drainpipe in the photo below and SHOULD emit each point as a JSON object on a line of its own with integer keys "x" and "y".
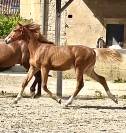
{"x": 43, "y": 4}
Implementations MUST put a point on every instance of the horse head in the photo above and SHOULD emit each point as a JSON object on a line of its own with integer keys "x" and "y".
{"x": 22, "y": 32}
{"x": 15, "y": 34}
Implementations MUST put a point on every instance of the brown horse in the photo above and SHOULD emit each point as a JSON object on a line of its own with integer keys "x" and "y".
{"x": 46, "y": 57}
{"x": 18, "y": 53}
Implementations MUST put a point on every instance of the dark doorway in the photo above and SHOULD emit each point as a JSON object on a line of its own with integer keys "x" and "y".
{"x": 115, "y": 34}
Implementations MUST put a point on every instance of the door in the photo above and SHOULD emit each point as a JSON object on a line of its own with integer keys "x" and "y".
{"x": 115, "y": 34}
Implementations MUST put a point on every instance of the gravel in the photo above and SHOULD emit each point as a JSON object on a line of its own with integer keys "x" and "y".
{"x": 44, "y": 115}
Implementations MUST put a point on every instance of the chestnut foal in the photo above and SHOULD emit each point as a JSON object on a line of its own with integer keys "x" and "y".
{"x": 46, "y": 57}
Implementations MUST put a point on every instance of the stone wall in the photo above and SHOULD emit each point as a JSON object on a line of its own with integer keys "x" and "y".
{"x": 83, "y": 28}
{"x": 34, "y": 10}
{"x": 30, "y": 9}
{"x": 83, "y": 22}
{"x": 89, "y": 20}
{"x": 50, "y": 17}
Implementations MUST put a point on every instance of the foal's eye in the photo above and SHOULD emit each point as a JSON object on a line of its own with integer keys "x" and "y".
{"x": 15, "y": 30}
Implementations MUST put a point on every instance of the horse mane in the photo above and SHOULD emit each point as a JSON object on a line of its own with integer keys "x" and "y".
{"x": 42, "y": 39}
{"x": 35, "y": 28}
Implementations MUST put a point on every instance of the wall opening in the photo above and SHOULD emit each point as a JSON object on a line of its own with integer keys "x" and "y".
{"x": 115, "y": 34}
{"x": 70, "y": 16}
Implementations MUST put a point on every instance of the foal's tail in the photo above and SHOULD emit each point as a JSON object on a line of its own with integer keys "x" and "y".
{"x": 109, "y": 55}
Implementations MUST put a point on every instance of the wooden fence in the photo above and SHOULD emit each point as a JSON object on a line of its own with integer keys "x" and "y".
{"x": 9, "y": 7}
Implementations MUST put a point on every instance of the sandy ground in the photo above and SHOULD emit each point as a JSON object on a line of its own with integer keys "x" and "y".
{"x": 43, "y": 115}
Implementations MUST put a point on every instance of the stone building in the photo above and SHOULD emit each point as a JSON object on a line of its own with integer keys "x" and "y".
{"x": 83, "y": 22}
{"x": 43, "y": 12}
{"x": 92, "y": 19}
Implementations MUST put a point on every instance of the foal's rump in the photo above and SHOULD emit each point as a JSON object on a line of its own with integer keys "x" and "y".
{"x": 108, "y": 55}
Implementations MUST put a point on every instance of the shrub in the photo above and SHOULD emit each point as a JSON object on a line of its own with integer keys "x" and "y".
{"x": 7, "y": 23}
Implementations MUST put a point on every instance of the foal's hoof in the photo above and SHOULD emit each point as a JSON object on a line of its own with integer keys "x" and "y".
{"x": 64, "y": 106}
{"x": 115, "y": 99}
{"x": 15, "y": 102}
{"x": 32, "y": 94}
{"x": 59, "y": 101}
{"x": 37, "y": 95}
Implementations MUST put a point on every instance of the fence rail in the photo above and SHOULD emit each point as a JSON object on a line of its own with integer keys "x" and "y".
{"x": 9, "y": 7}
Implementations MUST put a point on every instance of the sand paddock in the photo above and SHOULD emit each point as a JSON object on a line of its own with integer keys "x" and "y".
{"x": 43, "y": 115}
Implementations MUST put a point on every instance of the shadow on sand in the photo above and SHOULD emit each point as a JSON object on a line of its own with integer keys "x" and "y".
{"x": 13, "y": 95}
{"x": 97, "y": 107}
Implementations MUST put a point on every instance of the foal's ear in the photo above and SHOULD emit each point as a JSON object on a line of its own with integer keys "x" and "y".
{"x": 19, "y": 24}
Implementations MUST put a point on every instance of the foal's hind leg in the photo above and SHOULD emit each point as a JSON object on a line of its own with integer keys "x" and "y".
{"x": 44, "y": 74}
{"x": 39, "y": 84}
{"x": 36, "y": 81}
{"x": 80, "y": 84}
{"x": 102, "y": 81}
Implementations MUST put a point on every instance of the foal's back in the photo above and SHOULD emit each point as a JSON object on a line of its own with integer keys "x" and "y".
{"x": 64, "y": 57}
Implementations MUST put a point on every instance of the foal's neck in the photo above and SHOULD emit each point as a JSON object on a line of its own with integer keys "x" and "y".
{"x": 32, "y": 44}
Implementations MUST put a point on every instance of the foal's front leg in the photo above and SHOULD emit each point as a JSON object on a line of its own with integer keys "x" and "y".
{"x": 44, "y": 74}
{"x": 30, "y": 74}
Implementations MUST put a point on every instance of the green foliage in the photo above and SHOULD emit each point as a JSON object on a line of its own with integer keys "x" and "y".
{"x": 119, "y": 80}
{"x": 8, "y": 22}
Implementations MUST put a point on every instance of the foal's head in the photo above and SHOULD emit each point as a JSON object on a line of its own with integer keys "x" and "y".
{"x": 21, "y": 32}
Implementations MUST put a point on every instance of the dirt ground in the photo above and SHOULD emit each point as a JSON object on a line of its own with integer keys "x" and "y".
{"x": 43, "y": 115}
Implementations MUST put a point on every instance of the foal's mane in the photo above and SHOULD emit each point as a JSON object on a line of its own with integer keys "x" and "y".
{"x": 35, "y": 29}
{"x": 42, "y": 39}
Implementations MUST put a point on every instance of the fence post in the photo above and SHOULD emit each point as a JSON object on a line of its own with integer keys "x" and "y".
{"x": 57, "y": 41}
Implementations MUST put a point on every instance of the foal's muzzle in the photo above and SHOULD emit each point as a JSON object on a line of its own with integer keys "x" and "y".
{"x": 7, "y": 40}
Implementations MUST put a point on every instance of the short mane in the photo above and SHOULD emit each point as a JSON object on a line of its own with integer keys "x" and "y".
{"x": 32, "y": 26}
{"x": 42, "y": 39}
{"x": 35, "y": 28}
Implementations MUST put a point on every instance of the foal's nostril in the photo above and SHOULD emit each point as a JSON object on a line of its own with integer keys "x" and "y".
{"x": 7, "y": 40}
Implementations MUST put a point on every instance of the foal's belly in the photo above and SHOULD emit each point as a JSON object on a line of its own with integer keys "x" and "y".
{"x": 61, "y": 66}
